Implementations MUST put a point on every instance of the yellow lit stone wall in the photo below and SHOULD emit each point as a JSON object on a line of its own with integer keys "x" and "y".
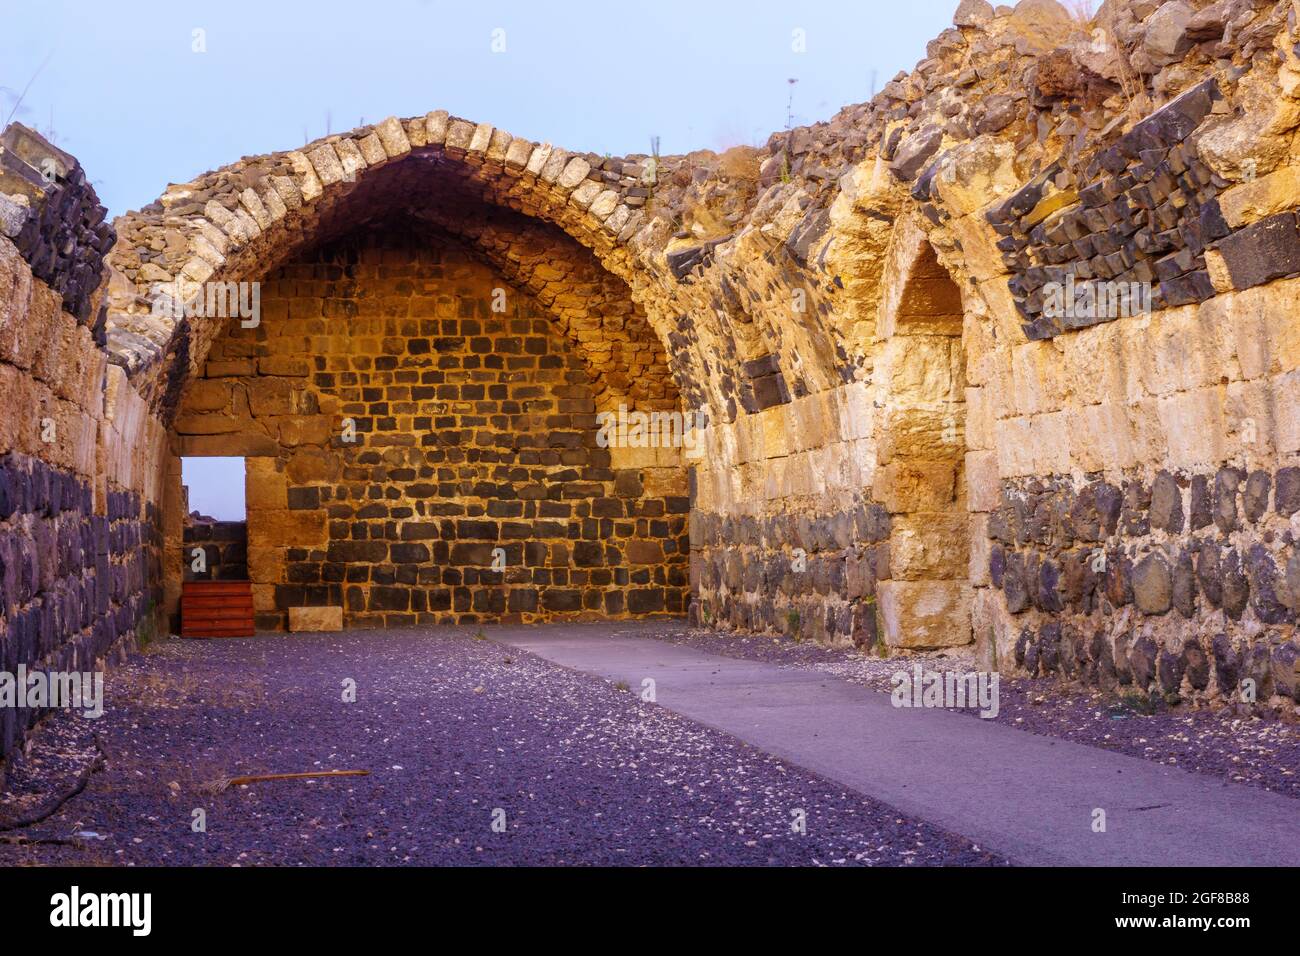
{"x": 406, "y": 412}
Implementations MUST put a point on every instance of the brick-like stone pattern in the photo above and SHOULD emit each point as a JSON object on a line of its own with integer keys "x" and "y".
{"x": 225, "y": 547}
{"x": 807, "y": 576}
{"x": 1145, "y": 212}
{"x": 474, "y": 430}
{"x": 71, "y": 581}
{"x": 63, "y": 235}
{"x": 1185, "y": 583}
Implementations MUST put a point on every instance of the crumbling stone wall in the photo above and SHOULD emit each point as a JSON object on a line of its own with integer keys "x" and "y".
{"x": 859, "y": 308}
{"x": 1026, "y": 148}
{"x": 407, "y": 412}
{"x": 80, "y": 561}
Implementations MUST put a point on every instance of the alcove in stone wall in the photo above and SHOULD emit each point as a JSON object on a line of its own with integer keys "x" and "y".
{"x": 920, "y": 476}
{"x": 422, "y": 447}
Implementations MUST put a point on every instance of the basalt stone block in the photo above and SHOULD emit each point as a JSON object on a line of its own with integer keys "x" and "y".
{"x": 682, "y": 262}
{"x": 1023, "y": 642}
{"x": 915, "y": 152}
{"x": 562, "y": 599}
{"x": 1265, "y": 581}
{"x": 805, "y": 236}
{"x": 1263, "y": 251}
{"x": 408, "y": 553}
{"x": 1169, "y": 671}
{"x": 1226, "y": 483}
{"x": 1227, "y": 664}
{"x": 1123, "y": 666}
{"x": 1096, "y": 510}
{"x": 1286, "y": 497}
{"x": 1291, "y": 593}
{"x": 1195, "y": 664}
{"x": 1166, "y": 503}
{"x": 865, "y": 625}
{"x": 1081, "y": 580}
{"x": 1213, "y": 225}
{"x": 645, "y": 600}
{"x": 1153, "y": 584}
{"x": 1201, "y": 512}
{"x": 1285, "y": 669}
{"x": 1257, "y": 666}
{"x": 1236, "y": 585}
{"x": 1033, "y": 658}
{"x": 1184, "y": 586}
{"x": 997, "y": 565}
{"x": 1033, "y": 562}
{"x": 1255, "y": 497}
{"x": 1119, "y": 579}
{"x": 1186, "y": 289}
{"x": 1049, "y": 647}
{"x": 873, "y": 523}
{"x": 1142, "y": 661}
{"x": 1137, "y": 506}
{"x": 1050, "y": 597}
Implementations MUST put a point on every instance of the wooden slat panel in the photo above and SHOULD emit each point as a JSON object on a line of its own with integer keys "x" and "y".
{"x": 217, "y": 609}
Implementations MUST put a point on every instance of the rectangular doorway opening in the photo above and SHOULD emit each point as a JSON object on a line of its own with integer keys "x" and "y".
{"x": 216, "y": 593}
{"x": 216, "y": 519}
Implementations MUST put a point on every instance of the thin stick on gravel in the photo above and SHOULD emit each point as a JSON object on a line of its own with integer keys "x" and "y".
{"x": 221, "y": 785}
{"x": 57, "y": 803}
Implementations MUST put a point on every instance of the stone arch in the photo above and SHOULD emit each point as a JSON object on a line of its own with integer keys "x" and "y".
{"x": 920, "y": 478}
{"x": 482, "y": 438}
{"x": 241, "y": 221}
{"x": 553, "y": 226}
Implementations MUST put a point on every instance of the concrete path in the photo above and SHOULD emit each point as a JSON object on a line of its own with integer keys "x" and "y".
{"x": 1028, "y": 797}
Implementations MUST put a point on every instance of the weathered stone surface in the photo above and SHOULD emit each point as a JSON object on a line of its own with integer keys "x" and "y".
{"x": 925, "y": 614}
{"x": 973, "y": 13}
{"x": 1166, "y": 36}
{"x": 848, "y": 336}
{"x": 1285, "y": 670}
{"x": 1142, "y": 661}
{"x": 915, "y": 152}
{"x": 1263, "y": 251}
{"x": 315, "y": 619}
{"x": 1166, "y": 503}
{"x": 1286, "y": 498}
{"x": 1153, "y": 584}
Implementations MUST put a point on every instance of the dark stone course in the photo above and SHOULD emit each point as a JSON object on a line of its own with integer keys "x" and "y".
{"x": 1286, "y": 498}
{"x": 1153, "y": 584}
{"x": 1227, "y": 664}
{"x": 1166, "y": 504}
{"x": 1263, "y": 251}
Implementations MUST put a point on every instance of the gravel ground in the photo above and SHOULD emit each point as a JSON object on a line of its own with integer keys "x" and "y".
{"x": 1257, "y": 746}
{"x": 450, "y": 728}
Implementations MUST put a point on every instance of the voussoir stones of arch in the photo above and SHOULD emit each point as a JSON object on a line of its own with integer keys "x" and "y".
{"x": 204, "y": 225}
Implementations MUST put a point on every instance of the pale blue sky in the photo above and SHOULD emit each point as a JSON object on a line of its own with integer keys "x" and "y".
{"x": 216, "y": 486}
{"x": 130, "y": 99}
{"x": 124, "y": 91}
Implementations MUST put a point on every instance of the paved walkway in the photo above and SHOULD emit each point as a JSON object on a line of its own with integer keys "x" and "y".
{"x": 1027, "y": 797}
{"x": 476, "y": 754}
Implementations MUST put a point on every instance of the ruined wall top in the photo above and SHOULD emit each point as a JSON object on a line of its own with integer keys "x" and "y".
{"x": 1007, "y": 100}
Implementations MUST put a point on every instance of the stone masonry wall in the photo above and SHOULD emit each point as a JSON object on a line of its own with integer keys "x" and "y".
{"x": 1142, "y": 528}
{"x": 80, "y": 564}
{"x": 859, "y": 308}
{"x": 225, "y": 548}
{"x": 474, "y": 430}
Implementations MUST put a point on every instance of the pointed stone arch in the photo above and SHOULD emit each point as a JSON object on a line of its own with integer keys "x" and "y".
{"x": 243, "y": 220}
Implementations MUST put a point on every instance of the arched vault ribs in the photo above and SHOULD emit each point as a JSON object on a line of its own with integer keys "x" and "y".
{"x": 241, "y": 222}
{"x": 920, "y": 476}
{"x": 418, "y": 455}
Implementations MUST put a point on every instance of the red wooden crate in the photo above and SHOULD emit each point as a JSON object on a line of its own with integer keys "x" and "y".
{"x": 217, "y": 609}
